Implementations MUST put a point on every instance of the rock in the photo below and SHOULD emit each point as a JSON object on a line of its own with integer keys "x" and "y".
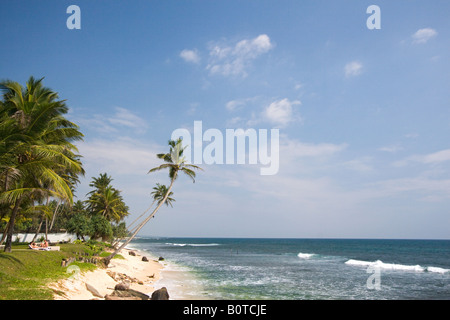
{"x": 160, "y": 294}
{"x": 145, "y": 259}
{"x": 122, "y": 286}
{"x": 94, "y": 291}
{"x": 132, "y": 253}
{"x": 110, "y": 297}
{"x": 161, "y": 259}
{"x": 129, "y": 293}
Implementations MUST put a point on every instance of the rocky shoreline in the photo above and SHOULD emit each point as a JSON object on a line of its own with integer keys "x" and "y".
{"x": 131, "y": 278}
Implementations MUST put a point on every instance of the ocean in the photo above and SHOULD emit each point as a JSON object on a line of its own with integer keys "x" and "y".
{"x": 299, "y": 269}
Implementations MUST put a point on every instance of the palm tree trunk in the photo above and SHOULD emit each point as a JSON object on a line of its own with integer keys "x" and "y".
{"x": 132, "y": 230}
{"x": 38, "y": 230}
{"x": 11, "y": 225}
{"x": 54, "y": 215}
{"x": 108, "y": 258}
{"x": 5, "y": 232}
{"x": 46, "y": 228}
{"x": 116, "y": 241}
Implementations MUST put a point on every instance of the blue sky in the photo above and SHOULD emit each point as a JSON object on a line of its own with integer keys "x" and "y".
{"x": 364, "y": 115}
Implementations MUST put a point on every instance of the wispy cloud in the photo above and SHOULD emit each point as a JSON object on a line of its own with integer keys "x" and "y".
{"x": 190, "y": 56}
{"x": 126, "y": 118}
{"x": 431, "y": 158}
{"x": 120, "y": 119}
{"x": 353, "y": 68}
{"x": 423, "y": 35}
{"x": 391, "y": 148}
{"x": 119, "y": 156}
{"x": 236, "y": 104}
{"x": 233, "y": 60}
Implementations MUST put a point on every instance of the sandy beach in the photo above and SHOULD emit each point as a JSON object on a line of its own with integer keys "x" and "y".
{"x": 141, "y": 275}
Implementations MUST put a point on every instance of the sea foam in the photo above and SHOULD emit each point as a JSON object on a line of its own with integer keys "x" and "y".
{"x": 193, "y": 244}
{"x": 305, "y": 255}
{"x": 393, "y": 266}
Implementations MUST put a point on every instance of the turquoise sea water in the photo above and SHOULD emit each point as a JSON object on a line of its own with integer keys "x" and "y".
{"x": 231, "y": 269}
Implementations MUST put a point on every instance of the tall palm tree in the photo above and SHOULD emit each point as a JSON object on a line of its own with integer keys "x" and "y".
{"x": 175, "y": 162}
{"x": 158, "y": 195}
{"x": 37, "y": 155}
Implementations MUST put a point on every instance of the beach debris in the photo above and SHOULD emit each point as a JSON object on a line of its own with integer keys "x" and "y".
{"x": 94, "y": 291}
{"x": 160, "y": 294}
{"x": 122, "y": 277}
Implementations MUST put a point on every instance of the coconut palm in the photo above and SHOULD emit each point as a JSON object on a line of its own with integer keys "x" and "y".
{"x": 105, "y": 200}
{"x": 37, "y": 155}
{"x": 108, "y": 203}
{"x": 158, "y": 195}
{"x": 175, "y": 162}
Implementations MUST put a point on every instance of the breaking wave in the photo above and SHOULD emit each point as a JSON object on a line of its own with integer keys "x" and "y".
{"x": 193, "y": 244}
{"x": 393, "y": 266}
{"x": 305, "y": 255}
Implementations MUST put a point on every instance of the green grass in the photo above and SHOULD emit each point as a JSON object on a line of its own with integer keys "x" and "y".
{"x": 25, "y": 273}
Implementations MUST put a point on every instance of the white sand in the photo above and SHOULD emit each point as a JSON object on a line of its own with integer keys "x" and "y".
{"x": 143, "y": 275}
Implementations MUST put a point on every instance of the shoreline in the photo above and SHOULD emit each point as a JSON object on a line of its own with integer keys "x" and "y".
{"x": 179, "y": 281}
{"x": 143, "y": 276}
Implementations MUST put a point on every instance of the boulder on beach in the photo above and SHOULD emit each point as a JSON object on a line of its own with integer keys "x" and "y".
{"x": 92, "y": 290}
{"x": 160, "y": 294}
{"x": 122, "y": 286}
{"x": 144, "y": 258}
{"x": 132, "y": 253}
{"x": 128, "y": 294}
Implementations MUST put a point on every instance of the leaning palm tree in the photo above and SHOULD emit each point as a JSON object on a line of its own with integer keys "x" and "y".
{"x": 158, "y": 195}
{"x": 175, "y": 162}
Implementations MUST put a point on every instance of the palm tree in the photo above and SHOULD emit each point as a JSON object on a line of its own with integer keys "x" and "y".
{"x": 109, "y": 204}
{"x": 158, "y": 195}
{"x": 160, "y": 192}
{"x": 105, "y": 200}
{"x": 175, "y": 162}
{"x": 37, "y": 154}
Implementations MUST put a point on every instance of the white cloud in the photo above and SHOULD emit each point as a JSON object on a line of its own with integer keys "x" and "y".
{"x": 294, "y": 149}
{"x": 112, "y": 124}
{"x": 280, "y": 112}
{"x": 423, "y": 35}
{"x": 190, "y": 56}
{"x": 359, "y": 165}
{"x": 391, "y": 148}
{"x": 233, "y": 105}
{"x": 119, "y": 156}
{"x": 437, "y": 157}
{"x": 353, "y": 68}
{"x": 432, "y": 158}
{"x": 233, "y": 60}
{"x": 124, "y": 117}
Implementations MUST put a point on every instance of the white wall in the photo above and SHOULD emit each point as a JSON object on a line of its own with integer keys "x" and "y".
{"x": 52, "y": 237}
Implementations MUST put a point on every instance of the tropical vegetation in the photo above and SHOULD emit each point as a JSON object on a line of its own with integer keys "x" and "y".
{"x": 40, "y": 168}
